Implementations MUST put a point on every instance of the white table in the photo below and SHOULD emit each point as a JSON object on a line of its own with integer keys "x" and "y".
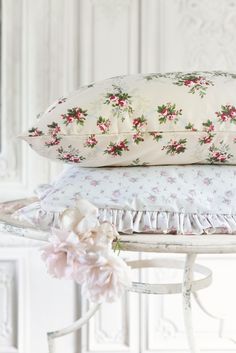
{"x": 189, "y": 245}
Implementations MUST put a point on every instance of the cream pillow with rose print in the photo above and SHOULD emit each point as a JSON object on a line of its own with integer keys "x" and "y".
{"x": 155, "y": 119}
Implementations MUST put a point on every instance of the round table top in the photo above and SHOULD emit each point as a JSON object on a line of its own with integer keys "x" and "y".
{"x": 160, "y": 243}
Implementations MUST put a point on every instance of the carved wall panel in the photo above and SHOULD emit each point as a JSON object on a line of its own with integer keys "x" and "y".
{"x": 8, "y": 305}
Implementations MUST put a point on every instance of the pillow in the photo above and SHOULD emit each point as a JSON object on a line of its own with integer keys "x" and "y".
{"x": 172, "y": 199}
{"x": 156, "y": 119}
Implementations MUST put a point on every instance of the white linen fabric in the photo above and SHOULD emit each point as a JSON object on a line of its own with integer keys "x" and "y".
{"x": 191, "y": 199}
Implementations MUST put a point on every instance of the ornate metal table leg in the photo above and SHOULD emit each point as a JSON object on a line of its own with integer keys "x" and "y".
{"x": 187, "y": 308}
{"x": 72, "y": 328}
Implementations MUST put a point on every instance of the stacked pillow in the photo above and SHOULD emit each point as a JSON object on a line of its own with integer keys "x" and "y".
{"x": 160, "y": 199}
{"x": 142, "y": 120}
{"x": 157, "y": 119}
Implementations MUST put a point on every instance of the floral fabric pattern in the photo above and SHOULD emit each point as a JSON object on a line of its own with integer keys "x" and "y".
{"x": 103, "y": 124}
{"x": 161, "y": 199}
{"x": 227, "y": 113}
{"x": 34, "y": 131}
{"x": 219, "y": 153}
{"x": 116, "y": 149}
{"x": 175, "y": 147}
{"x": 70, "y": 155}
{"x": 157, "y": 119}
{"x": 168, "y": 112}
{"x": 120, "y": 101}
{"x": 196, "y": 83}
{"x": 91, "y": 141}
{"x": 76, "y": 114}
{"x": 54, "y": 131}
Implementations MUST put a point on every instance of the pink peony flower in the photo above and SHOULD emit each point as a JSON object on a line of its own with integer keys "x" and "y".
{"x": 62, "y": 253}
{"x": 106, "y": 276}
{"x": 82, "y": 251}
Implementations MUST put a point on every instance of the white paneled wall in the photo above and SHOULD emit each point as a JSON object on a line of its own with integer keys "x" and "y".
{"x": 50, "y": 47}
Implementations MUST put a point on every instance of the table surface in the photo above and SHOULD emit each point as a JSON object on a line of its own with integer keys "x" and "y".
{"x": 200, "y": 244}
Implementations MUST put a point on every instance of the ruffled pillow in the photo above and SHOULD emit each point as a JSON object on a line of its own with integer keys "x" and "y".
{"x": 171, "y": 199}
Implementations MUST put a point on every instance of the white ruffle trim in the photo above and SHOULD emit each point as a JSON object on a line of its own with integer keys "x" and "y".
{"x": 128, "y": 222}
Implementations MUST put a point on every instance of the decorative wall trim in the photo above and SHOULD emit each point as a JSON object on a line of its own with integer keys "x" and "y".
{"x": 13, "y": 292}
{"x": 43, "y": 39}
{"x": 109, "y": 38}
{"x": 10, "y": 157}
{"x": 208, "y": 27}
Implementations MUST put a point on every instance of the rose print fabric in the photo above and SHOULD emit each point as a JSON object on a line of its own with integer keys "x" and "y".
{"x": 160, "y": 199}
{"x": 155, "y": 119}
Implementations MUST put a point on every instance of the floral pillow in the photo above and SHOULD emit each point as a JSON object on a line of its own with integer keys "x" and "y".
{"x": 159, "y": 199}
{"x": 155, "y": 119}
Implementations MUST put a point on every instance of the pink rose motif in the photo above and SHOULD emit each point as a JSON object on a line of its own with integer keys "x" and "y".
{"x": 75, "y": 114}
{"x": 227, "y": 113}
{"x": 125, "y": 174}
{"x": 207, "y": 181}
{"x": 34, "y": 132}
{"x": 206, "y": 139}
{"x": 116, "y": 193}
{"x": 227, "y": 201}
{"x": 195, "y": 82}
{"x": 94, "y": 183}
{"x": 163, "y": 173}
{"x": 224, "y": 117}
{"x": 169, "y": 112}
{"x": 53, "y": 142}
{"x": 91, "y": 141}
{"x": 139, "y": 123}
{"x": 133, "y": 180}
{"x": 171, "y": 180}
{"x": 103, "y": 124}
{"x": 138, "y": 137}
{"x": 152, "y": 198}
{"x": 164, "y": 111}
{"x": 229, "y": 193}
{"x": 190, "y": 200}
{"x": 69, "y": 119}
{"x": 219, "y": 153}
{"x": 188, "y": 83}
{"x": 116, "y": 149}
{"x": 113, "y": 98}
{"x": 122, "y": 102}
